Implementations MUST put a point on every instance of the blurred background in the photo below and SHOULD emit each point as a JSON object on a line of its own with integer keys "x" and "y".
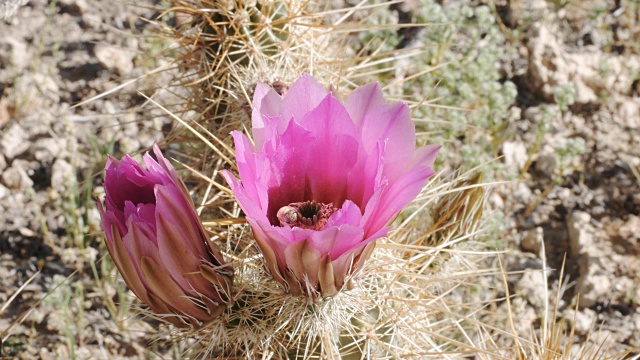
{"x": 542, "y": 95}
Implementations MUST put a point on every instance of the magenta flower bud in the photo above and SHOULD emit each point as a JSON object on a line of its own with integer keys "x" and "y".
{"x": 325, "y": 179}
{"x": 159, "y": 245}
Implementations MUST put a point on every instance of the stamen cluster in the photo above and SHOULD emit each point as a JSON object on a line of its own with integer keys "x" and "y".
{"x": 306, "y": 215}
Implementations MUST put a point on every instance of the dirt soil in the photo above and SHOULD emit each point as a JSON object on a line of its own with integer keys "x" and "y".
{"x": 53, "y": 55}
{"x": 588, "y": 206}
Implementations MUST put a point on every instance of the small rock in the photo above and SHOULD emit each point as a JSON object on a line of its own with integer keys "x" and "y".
{"x": 53, "y": 195}
{"x": 44, "y": 354}
{"x": 148, "y": 138}
{"x": 584, "y": 93}
{"x": 523, "y": 314}
{"x": 515, "y": 154}
{"x": 629, "y": 111}
{"x": 110, "y": 108}
{"x": 567, "y": 197}
{"x": 580, "y": 232}
{"x": 25, "y": 165}
{"x": 582, "y": 321}
{"x": 130, "y": 125}
{"x": 4, "y": 192}
{"x": 4, "y": 113}
{"x": 533, "y": 114}
{"x": 631, "y": 229}
{"x": 514, "y": 114}
{"x": 635, "y": 337}
{"x": 533, "y": 240}
{"x": 129, "y": 145}
{"x": 26, "y": 97}
{"x": 522, "y": 193}
{"x": 9, "y": 7}
{"x": 548, "y": 66}
{"x": 94, "y": 220}
{"x": 16, "y": 178}
{"x": 496, "y": 202}
{"x": 14, "y": 141}
{"x": 535, "y": 5}
{"x": 47, "y": 86}
{"x": 61, "y": 174}
{"x": 621, "y": 326}
{"x": 551, "y": 66}
{"x": 46, "y": 150}
{"x": 75, "y": 6}
{"x": 3, "y": 162}
{"x": 545, "y": 165}
{"x": 52, "y": 223}
{"x": 91, "y": 21}
{"x": 26, "y": 232}
{"x": 115, "y": 59}
{"x": 531, "y": 286}
{"x": 13, "y": 52}
{"x": 594, "y": 287}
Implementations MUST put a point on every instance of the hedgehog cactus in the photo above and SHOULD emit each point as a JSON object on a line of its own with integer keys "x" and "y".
{"x": 321, "y": 182}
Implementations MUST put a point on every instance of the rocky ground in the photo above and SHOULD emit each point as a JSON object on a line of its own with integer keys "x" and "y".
{"x": 573, "y": 139}
{"x": 588, "y": 206}
{"x": 53, "y": 55}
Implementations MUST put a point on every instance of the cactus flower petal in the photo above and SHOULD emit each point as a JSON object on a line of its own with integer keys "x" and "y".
{"x": 158, "y": 244}
{"x": 324, "y": 179}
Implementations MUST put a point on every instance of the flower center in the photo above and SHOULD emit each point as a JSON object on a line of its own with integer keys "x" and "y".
{"x": 306, "y": 215}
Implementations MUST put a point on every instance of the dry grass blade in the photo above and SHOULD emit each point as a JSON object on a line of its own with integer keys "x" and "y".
{"x": 6, "y": 332}
{"x": 13, "y": 297}
{"x": 123, "y": 85}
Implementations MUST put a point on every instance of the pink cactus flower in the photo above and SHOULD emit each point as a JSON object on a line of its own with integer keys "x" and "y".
{"x": 325, "y": 179}
{"x": 159, "y": 245}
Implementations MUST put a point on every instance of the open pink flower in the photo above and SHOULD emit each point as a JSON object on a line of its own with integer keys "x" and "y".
{"x": 158, "y": 244}
{"x": 325, "y": 179}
